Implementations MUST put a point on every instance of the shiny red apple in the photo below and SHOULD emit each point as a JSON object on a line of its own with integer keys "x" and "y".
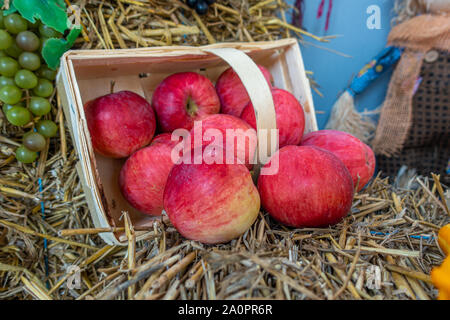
{"x": 211, "y": 203}
{"x": 183, "y": 98}
{"x": 232, "y": 93}
{"x": 312, "y": 188}
{"x": 120, "y": 123}
{"x": 236, "y": 137}
{"x": 144, "y": 175}
{"x": 356, "y": 155}
{"x": 290, "y": 117}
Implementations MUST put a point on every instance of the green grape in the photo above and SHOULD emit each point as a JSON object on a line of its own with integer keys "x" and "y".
{"x": 5, "y": 81}
{"x": 6, "y": 107}
{"x": 48, "y": 32}
{"x": 34, "y": 141}
{"x": 14, "y": 51}
{"x": 25, "y": 156}
{"x": 2, "y": 25}
{"x": 39, "y": 106}
{"x": 8, "y": 66}
{"x": 3, "y": 54}
{"x": 18, "y": 116}
{"x": 30, "y": 61}
{"x": 28, "y": 41}
{"x": 25, "y": 79}
{"x": 44, "y": 88}
{"x": 47, "y": 128}
{"x": 5, "y": 40}
{"x": 46, "y": 72}
{"x": 14, "y": 23}
{"x": 10, "y": 94}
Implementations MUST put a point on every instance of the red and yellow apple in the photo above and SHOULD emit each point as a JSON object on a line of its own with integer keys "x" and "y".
{"x": 356, "y": 155}
{"x": 290, "y": 117}
{"x": 232, "y": 93}
{"x": 144, "y": 174}
{"x": 312, "y": 188}
{"x": 182, "y": 98}
{"x": 211, "y": 203}
{"x": 120, "y": 123}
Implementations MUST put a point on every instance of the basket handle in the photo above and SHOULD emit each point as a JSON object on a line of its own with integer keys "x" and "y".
{"x": 261, "y": 97}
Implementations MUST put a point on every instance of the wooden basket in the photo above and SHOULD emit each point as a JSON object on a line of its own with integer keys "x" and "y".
{"x": 87, "y": 74}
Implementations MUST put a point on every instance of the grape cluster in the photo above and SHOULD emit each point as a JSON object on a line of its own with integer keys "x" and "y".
{"x": 26, "y": 83}
{"x": 201, "y": 6}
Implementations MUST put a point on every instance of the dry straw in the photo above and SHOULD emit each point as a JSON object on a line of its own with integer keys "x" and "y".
{"x": 384, "y": 249}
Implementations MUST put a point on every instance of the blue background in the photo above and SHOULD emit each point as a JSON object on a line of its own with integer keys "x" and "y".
{"x": 334, "y": 72}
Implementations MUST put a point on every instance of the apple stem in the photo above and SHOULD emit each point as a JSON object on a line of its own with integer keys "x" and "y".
{"x": 112, "y": 84}
{"x": 191, "y": 107}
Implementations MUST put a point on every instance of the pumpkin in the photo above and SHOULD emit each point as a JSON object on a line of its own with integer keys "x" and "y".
{"x": 441, "y": 279}
{"x": 441, "y": 275}
{"x": 444, "y": 239}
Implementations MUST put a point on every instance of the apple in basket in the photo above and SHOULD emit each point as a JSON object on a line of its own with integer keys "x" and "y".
{"x": 232, "y": 93}
{"x": 312, "y": 187}
{"x": 144, "y": 174}
{"x": 356, "y": 155}
{"x": 120, "y": 123}
{"x": 182, "y": 98}
{"x": 234, "y": 136}
{"x": 210, "y": 202}
{"x": 290, "y": 117}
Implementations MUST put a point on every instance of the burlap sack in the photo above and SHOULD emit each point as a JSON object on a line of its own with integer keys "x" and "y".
{"x": 414, "y": 125}
{"x": 427, "y": 147}
{"x": 418, "y": 36}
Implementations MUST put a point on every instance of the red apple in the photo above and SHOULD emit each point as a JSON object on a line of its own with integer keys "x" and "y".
{"x": 183, "y": 98}
{"x": 144, "y": 174}
{"x": 232, "y": 93}
{"x": 234, "y": 136}
{"x": 120, "y": 123}
{"x": 312, "y": 187}
{"x": 211, "y": 203}
{"x": 290, "y": 117}
{"x": 356, "y": 155}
